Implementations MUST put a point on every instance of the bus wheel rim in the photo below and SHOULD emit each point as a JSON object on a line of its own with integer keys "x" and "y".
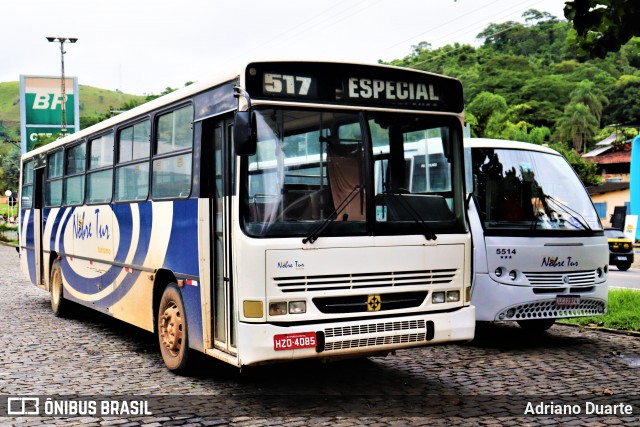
{"x": 55, "y": 291}
{"x": 171, "y": 329}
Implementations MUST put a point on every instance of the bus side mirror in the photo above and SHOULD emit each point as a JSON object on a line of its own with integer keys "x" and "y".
{"x": 244, "y": 133}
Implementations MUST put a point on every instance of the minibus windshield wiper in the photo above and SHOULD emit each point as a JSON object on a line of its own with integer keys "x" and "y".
{"x": 558, "y": 205}
{"x": 313, "y": 236}
{"x": 428, "y": 234}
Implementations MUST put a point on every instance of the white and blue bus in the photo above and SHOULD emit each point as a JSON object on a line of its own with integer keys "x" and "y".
{"x": 241, "y": 218}
{"x": 540, "y": 253}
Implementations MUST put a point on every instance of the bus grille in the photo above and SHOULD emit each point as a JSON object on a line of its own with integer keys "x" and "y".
{"x": 332, "y": 282}
{"x": 362, "y": 303}
{"x": 400, "y": 332}
{"x": 549, "y": 309}
{"x": 561, "y": 279}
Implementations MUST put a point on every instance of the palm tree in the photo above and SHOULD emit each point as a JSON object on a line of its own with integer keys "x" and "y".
{"x": 578, "y": 124}
{"x": 591, "y": 96}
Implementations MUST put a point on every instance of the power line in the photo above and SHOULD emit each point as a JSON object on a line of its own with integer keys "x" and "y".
{"x": 481, "y": 23}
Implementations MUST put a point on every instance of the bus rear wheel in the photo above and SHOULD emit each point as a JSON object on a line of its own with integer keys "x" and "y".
{"x": 59, "y": 305}
{"x": 172, "y": 330}
{"x": 536, "y": 325}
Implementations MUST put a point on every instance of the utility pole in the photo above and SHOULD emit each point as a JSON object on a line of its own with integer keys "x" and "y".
{"x": 63, "y": 105}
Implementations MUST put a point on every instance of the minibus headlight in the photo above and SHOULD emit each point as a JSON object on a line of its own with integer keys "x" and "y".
{"x": 278, "y": 308}
{"x": 513, "y": 275}
{"x": 599, "y": 272}
{"x": 453, "y": 296}
{"x": 438, "y": 297}
{"x": 498, "y": 271}
{"x": 297, "y": 307}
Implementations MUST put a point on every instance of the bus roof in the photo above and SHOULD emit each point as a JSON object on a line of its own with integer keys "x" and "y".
{"x": 506, "y": 144}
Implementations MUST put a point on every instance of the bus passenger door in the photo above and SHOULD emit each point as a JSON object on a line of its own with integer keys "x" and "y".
{"x": 38, "y": 224}
{"x": 224, "y": 318}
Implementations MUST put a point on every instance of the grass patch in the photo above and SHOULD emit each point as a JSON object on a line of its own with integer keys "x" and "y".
{"x": 623, "y": 312}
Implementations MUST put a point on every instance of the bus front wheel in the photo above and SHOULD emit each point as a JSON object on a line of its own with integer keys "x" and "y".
{"x": 172, "y": 330}
{"x": 536, "y": 325}
{"x": 59, "y": 305}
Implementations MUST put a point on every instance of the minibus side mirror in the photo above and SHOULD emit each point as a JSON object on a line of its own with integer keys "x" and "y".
{"x": 244, "y": 133}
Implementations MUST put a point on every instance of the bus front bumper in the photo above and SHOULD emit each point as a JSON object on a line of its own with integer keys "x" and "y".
{"x": 497, "y": 302}
{"x": 354, "y": 338}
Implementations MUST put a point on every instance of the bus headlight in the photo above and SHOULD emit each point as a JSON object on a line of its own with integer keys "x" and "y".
{"x": 513, "y": 275}
{"x": 599, "y": 272}
{"x": 453, "y": 296}
{"x": 297, "y": 307}
{"x": 278, "y": 308}
{"x": 498, "y": 271}
{"x": 438, "y": 297}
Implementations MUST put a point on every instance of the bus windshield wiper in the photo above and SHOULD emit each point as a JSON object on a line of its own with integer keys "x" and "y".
{"x": 558, "y": 205}
{"x": 313, "y": 236}
{"x": 428, "y": 234}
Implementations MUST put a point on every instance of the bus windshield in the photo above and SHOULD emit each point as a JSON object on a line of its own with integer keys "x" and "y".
{"x": 310, "y": 171}
{"x": 516, "y": 189}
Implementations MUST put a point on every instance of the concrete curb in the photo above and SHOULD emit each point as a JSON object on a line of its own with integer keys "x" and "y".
{"x": 598, "y": 328}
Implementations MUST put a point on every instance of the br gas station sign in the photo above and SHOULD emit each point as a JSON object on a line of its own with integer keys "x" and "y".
{"x": 41, "y": 108}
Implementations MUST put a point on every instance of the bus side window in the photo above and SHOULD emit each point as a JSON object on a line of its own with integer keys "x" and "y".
{"x": 171, "y": 176}
{"x": 73, "y": 184}
{"x": 132, "y": 179}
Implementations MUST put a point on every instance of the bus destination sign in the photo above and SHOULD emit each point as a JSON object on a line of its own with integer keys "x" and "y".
{"x": 335, "y": 83}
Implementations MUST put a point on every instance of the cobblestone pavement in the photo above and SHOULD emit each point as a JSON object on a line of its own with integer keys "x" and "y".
{"x": 488, "y": 382}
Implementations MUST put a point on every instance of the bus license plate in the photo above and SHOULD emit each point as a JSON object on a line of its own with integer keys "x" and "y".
{"x": 622, "y": 258}
{"x": 293, "y": 341}
{"x": 568, "y": 300}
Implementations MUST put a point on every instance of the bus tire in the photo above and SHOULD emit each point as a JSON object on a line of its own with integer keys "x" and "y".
{"x": 623, "y": 266}
{"x": 172, "y": 330}
{"x": 59, "y": 305}
{"x": 536, "y": 325}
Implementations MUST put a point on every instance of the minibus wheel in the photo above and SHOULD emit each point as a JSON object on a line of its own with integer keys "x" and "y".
{"x": 59, "y": 305}
{"x": 536, "y": 325}
{"x": 172, "y": 330}
{"x": 623, "y": 266}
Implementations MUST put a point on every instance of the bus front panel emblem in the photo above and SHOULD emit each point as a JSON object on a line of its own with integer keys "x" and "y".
{"x": 374, "y": 302}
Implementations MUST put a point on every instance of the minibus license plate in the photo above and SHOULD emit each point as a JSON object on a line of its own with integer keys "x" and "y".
{"x": 568, "y": 300}
{"x": 293, "y": 341}
{"x": 622, "y": 258}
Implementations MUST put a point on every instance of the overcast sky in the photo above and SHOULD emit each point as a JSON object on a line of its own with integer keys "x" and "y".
{"x": 143, "y": 46}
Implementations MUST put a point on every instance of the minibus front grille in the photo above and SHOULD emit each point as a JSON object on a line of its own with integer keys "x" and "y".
{"x": 550, "y": 309}
{"x": 369, "y": 303}
{"x": 555, "y": 279}
{"x": 393, "y": 279}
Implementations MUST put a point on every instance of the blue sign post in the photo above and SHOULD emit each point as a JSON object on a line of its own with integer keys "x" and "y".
{"x": 634, "y": 185}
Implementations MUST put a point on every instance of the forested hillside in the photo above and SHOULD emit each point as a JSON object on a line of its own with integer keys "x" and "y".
{"x": 526, "y": 82}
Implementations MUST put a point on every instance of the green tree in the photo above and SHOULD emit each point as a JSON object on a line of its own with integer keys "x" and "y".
{"x": 483, "y": 106}
{"x": 602, "y": 26}
{"x": 591, "y": 96}
{"x": 9, "y": 179}
{"x": 625, "y": 105}
{"x": 578, "y": 124}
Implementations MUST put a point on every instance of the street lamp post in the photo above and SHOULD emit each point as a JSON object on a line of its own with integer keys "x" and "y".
{"x": 63, "y": 105}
